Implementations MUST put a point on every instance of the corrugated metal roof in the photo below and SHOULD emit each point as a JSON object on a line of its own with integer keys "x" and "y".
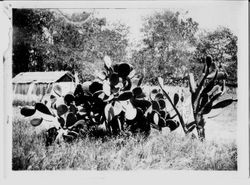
{"x": 51, "y": 76}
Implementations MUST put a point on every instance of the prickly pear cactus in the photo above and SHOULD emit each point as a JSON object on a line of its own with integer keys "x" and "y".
{"x": 204, "y": 94}
{"x": 113, "y": 105}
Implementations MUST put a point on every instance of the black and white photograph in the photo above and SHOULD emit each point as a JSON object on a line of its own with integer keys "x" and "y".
{"x": 126, "y": 88}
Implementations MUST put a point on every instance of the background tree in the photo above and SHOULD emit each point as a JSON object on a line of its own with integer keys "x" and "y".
{"x": 55, "y": 41}
{"x": 49, "y": 40}
{"x": 168, "y": 44}
{"x": 28, "y": 33}
{"x": 221, "y": 44}
{"x": 81, "y": 47}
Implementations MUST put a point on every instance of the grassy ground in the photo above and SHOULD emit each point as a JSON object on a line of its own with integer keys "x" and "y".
{"x": 160, "y": 151}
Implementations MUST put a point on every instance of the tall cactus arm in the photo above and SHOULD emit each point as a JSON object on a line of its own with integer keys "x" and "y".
{"x": 160, "y": 81}
{"x": 199, "y": 86}
{"x": 205, "y": 91}
{"x": 192, "y": 88}
{"x": 192, "y": 84}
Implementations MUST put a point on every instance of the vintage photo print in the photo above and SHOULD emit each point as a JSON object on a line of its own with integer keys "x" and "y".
{"x": 112, "y": 87}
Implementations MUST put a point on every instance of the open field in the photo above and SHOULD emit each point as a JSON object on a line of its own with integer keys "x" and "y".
{"x": 159, "y": 151}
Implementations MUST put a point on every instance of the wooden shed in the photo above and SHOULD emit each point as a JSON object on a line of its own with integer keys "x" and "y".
{"x": 30, "y": 87}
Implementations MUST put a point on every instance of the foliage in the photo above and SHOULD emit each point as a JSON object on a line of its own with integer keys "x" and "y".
{"x": 81, "y": 47}
{"x": 221, "y": 44}
{"x": 112, "y": 103}
{"x": 48, "y": 40}
{"x": 109, "y": 105}
{"x": 204, "y": 93}
{"x": 167, "y": 45}
{"x": 51, "y": 40}
{"x": 28, "y": 38}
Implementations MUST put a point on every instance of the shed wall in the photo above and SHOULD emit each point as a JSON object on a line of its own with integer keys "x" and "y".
{"x": 33, "y": 92}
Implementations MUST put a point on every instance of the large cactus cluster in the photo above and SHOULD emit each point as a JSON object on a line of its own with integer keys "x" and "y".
{"x": 109, "y": 105}
{"x": 112, "y": 104}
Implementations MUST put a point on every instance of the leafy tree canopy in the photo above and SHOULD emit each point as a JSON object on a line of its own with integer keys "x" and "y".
{"x": 49, "y": 40}
{"x": 168, "y": 43}
{"x": 221, "y": 44}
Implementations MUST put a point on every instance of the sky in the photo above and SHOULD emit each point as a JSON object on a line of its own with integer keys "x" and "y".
{"x": 209, "y": 15}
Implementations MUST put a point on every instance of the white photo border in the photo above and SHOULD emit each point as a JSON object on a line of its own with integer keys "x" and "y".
{"x": 141, "y": 176}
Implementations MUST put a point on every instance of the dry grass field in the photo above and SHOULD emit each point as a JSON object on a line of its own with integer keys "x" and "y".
{"x": 166, "y": 150}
